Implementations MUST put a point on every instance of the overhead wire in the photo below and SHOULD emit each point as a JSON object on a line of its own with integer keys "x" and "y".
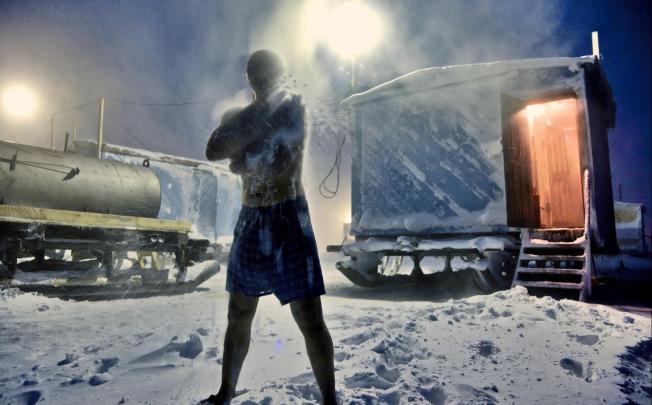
{"x": 175, "y": 104}
{"x": 141, "y": 103}
{"x": 77, "y": 107}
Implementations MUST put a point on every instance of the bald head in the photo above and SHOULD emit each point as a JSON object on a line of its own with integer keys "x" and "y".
{"x": 264, "y": 68}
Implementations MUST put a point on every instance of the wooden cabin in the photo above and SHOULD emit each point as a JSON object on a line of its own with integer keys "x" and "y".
{"x": 486, "y": 149}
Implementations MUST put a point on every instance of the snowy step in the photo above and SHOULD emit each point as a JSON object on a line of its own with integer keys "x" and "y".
{"x": 547, "y": 270}
{"x": 568, "y": 258}
{"x": 549, "y": 284}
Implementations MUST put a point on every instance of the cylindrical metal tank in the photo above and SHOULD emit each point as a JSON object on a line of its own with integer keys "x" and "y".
{"x": 45, "y": 178}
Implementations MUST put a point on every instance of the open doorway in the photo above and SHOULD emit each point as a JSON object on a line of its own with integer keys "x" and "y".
{"x": 543, "y": 171}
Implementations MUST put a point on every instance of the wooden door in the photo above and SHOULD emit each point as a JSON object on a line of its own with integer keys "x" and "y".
{"x": 522, "y": 201}
{"x": 558, "y": 173}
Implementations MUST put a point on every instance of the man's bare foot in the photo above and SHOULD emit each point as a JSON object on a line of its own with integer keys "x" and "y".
{"x": 217, "y": 399}
{"x": 222, "y": 398}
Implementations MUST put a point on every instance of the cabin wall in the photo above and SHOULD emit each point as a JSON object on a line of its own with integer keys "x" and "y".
{"x": 601, "y": 116}
{"x": 432, "y": 161}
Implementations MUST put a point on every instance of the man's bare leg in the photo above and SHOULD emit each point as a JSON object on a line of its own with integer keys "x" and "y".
{"x": 236, "y": 344}
{"x": 309, "y": 317}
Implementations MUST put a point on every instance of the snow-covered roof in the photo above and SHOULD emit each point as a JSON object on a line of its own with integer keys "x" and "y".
{"x": 443, "y": 76}
{"x": 162, "y": 157}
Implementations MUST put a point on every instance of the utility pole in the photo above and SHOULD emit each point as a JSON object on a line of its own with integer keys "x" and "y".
{"x": 100, "y": 129}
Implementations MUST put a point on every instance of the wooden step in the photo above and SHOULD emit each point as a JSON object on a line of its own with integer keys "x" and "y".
{"x": 549, "y": 284}
{"x": 548, "y": 270}
{"x": 544, "y": 251}
{"x": 553, "y": 245}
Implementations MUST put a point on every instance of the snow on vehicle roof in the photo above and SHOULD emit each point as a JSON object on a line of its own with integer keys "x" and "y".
{"x": 443, "y": 76}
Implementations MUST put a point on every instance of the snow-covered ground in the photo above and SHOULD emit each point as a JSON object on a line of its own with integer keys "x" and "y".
{"x": 501, "y": 348}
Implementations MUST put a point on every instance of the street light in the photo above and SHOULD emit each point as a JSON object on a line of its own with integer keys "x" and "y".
{"x": 350, "y": 29}
{"x": 19, "y": 101}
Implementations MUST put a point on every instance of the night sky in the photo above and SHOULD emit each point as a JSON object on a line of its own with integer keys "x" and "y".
{"x": 625, "y": 42}
{"x": 71, "y": 52}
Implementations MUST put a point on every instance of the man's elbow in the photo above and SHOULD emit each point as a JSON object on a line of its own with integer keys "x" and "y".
{"x": 210, "y": 154}
{"x": 213, "y": 153}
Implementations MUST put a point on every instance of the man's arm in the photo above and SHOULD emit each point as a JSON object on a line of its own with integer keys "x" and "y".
{"x": 231, "y": 139}
{"x": 287, "y": 143}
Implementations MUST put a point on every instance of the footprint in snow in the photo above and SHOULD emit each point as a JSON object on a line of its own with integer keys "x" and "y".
{"x": 551, "y": 313}
{"x": 390, "y": 374}
{"x": 572, "y": 365}
{"x": 588, "y": 340}
{"x": 366, "y": 380}
{"x": 486, "y": 348}
{"x": 70, "y": 357}
{"x": 358, "y": 338}
{"x": 189, "y": 350}
{"x": 308, "y": 391}
{"x": 390, "y": 398}
{"x": 435, "y": 394}
{"x": 475, "y": 396}
{"x": 341, "y": 356}
{"x": 395, "y": 351}
{"x": 99, "y": 379}
{"x": 106, "y": 364}
{"x": 211, "y": 352}
{"x": 25, "y": 398}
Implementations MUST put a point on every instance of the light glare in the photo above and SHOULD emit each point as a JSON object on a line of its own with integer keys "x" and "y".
{"x": 19, "y": 101}
{"x": 355, "y": 28}
{"x": 350, "y": 28}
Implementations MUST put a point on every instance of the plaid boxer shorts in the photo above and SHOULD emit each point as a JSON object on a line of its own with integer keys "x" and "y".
{"x": 274, "y": 251}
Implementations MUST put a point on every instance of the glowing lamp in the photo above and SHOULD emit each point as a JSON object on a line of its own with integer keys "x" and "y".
{"x": 19, "y": 101}
{"x": 350, "y": 28}
{"x": 354, "y": 29}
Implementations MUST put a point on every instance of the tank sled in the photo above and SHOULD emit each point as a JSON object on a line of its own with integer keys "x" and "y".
{"x": 377, "y": 262}
{"x": 98, "y": 256}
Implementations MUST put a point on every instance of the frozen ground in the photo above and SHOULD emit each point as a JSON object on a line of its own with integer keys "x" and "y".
{"x": 501, "y": 348}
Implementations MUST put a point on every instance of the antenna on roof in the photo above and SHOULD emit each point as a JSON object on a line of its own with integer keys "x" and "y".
{"x": 596, "y": 44}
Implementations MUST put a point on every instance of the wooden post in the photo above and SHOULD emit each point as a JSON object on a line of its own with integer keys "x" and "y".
{"x": 596, "y": 44}
{"x": 354, "y": 75}
{"x": 52, "y": 132}
{"x": 100, "y": 129}
{"x": 74, "y": 136}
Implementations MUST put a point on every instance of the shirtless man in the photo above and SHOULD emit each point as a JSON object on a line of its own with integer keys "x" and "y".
{"x": 274, "y": 249}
